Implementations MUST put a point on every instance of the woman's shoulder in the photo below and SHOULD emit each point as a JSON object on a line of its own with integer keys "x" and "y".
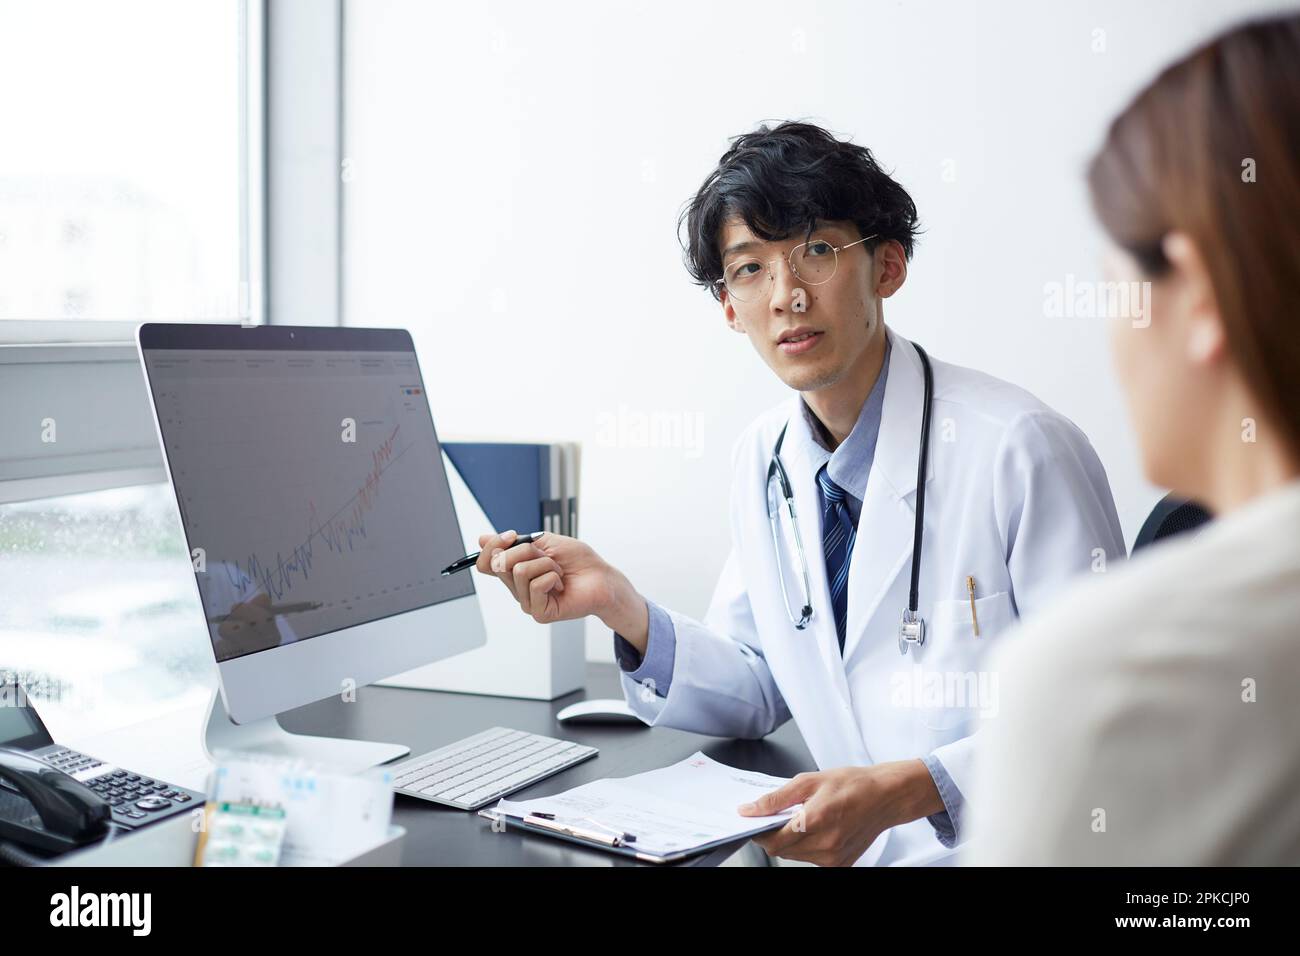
{"x": 1230, "y": 592}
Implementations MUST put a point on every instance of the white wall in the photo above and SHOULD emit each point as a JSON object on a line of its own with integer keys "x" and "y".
{"x": 514, "y": 172}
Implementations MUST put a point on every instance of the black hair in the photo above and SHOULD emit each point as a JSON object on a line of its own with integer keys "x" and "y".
{"x": 782, "y": 180}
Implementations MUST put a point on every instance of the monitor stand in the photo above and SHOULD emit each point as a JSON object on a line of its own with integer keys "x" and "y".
{"x": 266, "y": 737}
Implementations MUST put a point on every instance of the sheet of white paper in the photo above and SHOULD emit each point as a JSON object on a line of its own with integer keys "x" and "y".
{"x": 679, "y": 807}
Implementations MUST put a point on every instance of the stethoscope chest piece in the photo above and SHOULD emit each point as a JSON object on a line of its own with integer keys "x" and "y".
{"x": 911, "y": 633}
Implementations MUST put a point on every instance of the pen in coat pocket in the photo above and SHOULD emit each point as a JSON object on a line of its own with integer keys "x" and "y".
{"x": 970, "y": 589}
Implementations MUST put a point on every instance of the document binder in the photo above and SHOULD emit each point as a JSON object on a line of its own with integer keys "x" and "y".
{"x": 525, "y": 486}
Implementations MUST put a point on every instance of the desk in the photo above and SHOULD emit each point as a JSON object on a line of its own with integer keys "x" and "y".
{"x": 424, "y": 720}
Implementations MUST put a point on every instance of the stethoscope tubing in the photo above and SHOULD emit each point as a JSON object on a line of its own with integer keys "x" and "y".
{"x": 776, "y": 469}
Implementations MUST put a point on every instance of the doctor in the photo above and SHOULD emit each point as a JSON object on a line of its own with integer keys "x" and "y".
{"x": 835, "y": 618}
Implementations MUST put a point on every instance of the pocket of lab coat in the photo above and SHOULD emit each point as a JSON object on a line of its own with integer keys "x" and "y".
{"x": 952, "y": 686}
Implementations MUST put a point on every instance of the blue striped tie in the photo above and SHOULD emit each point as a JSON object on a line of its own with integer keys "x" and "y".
{"x": 838, "y": 532}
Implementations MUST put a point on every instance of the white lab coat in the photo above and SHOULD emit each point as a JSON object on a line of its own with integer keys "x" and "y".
{"x": 1015, "y": 497}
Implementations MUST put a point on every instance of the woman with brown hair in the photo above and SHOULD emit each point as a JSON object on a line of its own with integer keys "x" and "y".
{"x": 1153, "y": 716}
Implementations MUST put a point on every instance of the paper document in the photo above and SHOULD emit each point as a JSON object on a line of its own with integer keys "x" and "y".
{"x": 689, "y": 805}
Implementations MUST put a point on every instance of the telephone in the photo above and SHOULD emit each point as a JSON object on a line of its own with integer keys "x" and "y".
{"x": 46, "y": 809}
{"x": 53, "y": 799}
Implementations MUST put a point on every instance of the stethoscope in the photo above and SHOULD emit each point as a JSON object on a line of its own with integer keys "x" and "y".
{"x": 911, "y": 632}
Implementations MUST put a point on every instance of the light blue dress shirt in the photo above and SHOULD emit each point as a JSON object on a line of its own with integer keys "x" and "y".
{"x": 848, "y": 466}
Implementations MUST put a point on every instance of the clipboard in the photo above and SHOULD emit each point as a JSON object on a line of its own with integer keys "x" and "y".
{"x": 590, "y": 836}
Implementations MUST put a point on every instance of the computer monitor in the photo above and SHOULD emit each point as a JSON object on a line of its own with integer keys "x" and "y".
{"x": 317, "y": 511}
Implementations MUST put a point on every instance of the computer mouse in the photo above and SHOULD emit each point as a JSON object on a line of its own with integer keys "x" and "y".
{"x": 599, "y": 711}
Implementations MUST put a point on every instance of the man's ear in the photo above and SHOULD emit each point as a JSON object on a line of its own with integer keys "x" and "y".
{"x": 1192, "y": 289}
{"x": 729, "y": 313}
{"x": 890, "y": 263}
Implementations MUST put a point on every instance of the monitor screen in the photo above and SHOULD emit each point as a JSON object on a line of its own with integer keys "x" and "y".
{"x": 20, "y": 728}
{"x": 309, "y": 478}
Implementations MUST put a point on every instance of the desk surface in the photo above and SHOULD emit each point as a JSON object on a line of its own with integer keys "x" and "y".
{"x": 425, "y": 720}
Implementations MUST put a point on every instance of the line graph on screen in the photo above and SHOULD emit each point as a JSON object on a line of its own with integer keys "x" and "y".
{"x": 340, "y": 533}
{"x": 314, "y": 488}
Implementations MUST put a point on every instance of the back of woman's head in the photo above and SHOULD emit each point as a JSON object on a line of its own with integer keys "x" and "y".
{"x": 1211, "y": 149}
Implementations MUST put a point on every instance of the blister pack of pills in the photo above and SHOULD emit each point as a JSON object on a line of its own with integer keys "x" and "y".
{"x": 241, "y": 834}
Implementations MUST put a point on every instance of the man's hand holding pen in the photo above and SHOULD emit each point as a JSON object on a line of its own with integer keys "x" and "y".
{"x": 558, "y": 578}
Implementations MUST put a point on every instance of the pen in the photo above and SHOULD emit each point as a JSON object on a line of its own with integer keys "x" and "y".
{"x": 548, "y": 821}
{"x": 460, "y": 564}
{"x": 974, "y": 621}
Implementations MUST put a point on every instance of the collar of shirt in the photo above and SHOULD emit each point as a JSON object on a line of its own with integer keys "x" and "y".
{"x": 850, "y": 463}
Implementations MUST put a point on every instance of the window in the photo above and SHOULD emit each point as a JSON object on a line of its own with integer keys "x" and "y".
{"x": 100, "y": 620}
{"x": 122, "y": 181}
{"x": 130, "y": 190}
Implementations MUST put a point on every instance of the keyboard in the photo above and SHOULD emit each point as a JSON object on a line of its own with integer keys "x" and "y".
{"x": 136, "y": 799}
{"x": 474, "y": 772}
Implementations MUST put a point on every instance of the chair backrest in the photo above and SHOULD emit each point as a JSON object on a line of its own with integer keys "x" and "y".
{"x": 1169, "y": 517}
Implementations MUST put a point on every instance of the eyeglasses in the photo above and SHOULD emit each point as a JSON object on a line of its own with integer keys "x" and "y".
{"x": 813, "y": 263}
